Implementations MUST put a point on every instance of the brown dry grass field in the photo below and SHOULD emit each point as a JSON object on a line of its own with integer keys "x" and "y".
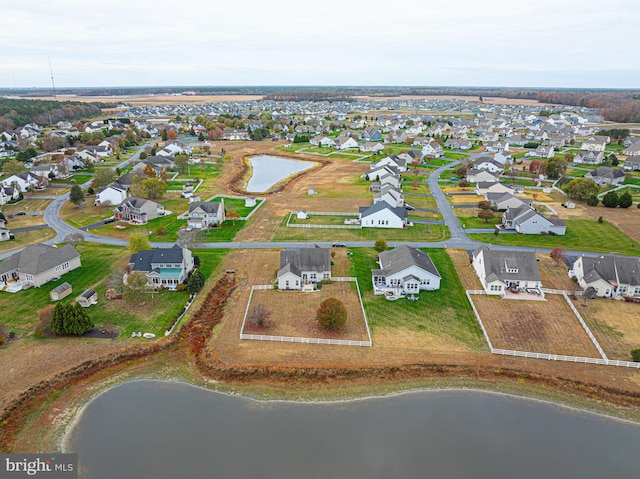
{"x": 464, "y": 199}
{"x": 465, "y": 271}
{"x": 294, "y": 313}
{"x": 536, "y": 326}
{"x": 141, "y": 100}
{"x": 615, "y": 324}
{"x": 334, "y": 181}
{"x": 554, "y": 276}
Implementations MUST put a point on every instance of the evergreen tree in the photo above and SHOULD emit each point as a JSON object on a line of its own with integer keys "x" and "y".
{"x": 195, "y": 282}
{"x": 625, "y": 200}
{"x": 611, "y": 200}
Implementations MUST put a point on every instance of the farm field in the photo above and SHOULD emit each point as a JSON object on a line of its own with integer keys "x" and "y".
{"x": 614, "y": 324}
{"x": 537, "y": 326}
{"x": 294, "y": 313}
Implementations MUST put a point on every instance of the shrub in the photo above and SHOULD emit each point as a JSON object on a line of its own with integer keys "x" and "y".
{"x": 635, "y": 354}
{"x": 600, "y": 220}
{"x": 331, "y": 315}
{"x": 181, "y": 287}
{"x": 593, "y": 201}
{"x": 161, "y": 231}
{"x": 259, "y": 315}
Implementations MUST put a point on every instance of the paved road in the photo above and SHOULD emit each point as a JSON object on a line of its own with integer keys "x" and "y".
{"x": 458, "y": 240}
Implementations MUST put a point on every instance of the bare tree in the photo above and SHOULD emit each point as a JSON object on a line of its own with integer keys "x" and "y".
{"x": 259, "y": 315}
{"x": 74, "y": 239}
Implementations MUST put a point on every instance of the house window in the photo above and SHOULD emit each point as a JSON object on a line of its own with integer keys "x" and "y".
{"x": 29, "y": 277}
{"x": 286, "y": 284}
{"x": 637, "y": 290}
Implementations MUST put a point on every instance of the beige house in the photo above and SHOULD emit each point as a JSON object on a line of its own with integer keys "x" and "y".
{"x": 37, "y": 264}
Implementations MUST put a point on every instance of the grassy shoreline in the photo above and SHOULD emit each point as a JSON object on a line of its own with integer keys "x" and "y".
{"x": 61, "y": 410}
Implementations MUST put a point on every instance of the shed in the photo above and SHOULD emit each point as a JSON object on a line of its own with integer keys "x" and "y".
{"x": 312, "y": 191}
{"x": 60, "y": 292}
{"x": 302, "y": 215}
{"x": 87, "y": 298}
{"x": 250, "y": 201}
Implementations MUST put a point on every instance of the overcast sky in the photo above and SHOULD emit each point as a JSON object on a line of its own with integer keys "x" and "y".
{"x": 545, "y": 43}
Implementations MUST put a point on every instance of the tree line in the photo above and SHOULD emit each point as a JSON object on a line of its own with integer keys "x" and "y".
{"x": 15, "y": 113}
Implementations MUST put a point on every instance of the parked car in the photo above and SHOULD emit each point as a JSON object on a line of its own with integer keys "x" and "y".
{"x": 409, "y": 207}
{"x": 109, "y": 220}
{"x": 20, "y": 213}
{"x": 338, "y": 244}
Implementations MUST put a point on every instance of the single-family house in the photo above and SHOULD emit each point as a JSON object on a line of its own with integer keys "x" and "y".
{"x": 589, "y": 157}
{"x": 594, "y": 145}
{"x": 377, "y": 173}
{"x": 138, "y": 210}
{"x": 394, "y": 160}
{"x": 496, "y": 146}
{"x": 485, "y": 176}
{"x": 632, "y": 163}
{"x": 371, "y": 134}
{"x": 525, "y": 220}
{"x": 543, "y": 151}
{"x": 382, "y": 215}
{"x": 504, "y": 201}
{"x": 608, "y": 275}
{"x": 45, "y": 170}
{"x": 175, "y": 147}
{"x": 391, "y": 195}
{"x": 304, "y": 267}
{"x": 405, "y": 269}
{"x": 605, "y": 175}
{"x": 207, "y": 214}
{"x": 102, "y": 150}
{"x": 371, "y": 147}
{"x": 166, "y": 267}
{"x": 110, "y": 195}
{"x": 8, "y": 194}
{"x": 61, "y": 291}
{"x": 483, "y": 187}
{"x": 345, "y": 143}
{"x": 397, "y": 136}
{"x": 25, "y": 181}
{"x": 486, "y": 163}
{"x": 503, "y": 157}
{"x": 500, "y": 270}
{"x": 37, "y": 264}
{"x": 432, "y": 150}
{"x": 633, "y": 150}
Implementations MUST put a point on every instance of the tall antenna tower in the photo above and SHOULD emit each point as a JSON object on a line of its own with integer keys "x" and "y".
{"x": 55, "y": 96}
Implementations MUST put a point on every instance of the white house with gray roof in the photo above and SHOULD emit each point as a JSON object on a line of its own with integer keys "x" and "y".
{"x": 206, "y": 214}
{"x": 166, "y": 267}
{"x": 604, "y": 175}
{"x": 304, "y": 268}
{"x": 500, "y": 270}
{"x": 405, "y": 269}
{"x": 37, "y": 264}
{"x": 609, "y": 275}
{"x": 382, "y": 215}
{"x": 525, "y": 220}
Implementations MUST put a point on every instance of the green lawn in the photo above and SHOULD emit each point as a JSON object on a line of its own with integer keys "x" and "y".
{"x": 237, "y": 206}
{"x": 99, "y": 262}
{"x": 631, "y": 180}
{"x": 451, "y": 155}
{"x": 321, "y": 219}
{"x": 475, "y": 222}
{"x": 583, "y": 235}
{"x": 415, "y": 233}
{"x": 445, "y": 313}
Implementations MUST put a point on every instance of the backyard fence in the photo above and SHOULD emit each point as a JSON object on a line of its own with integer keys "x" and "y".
{"x": 291, "y": 339}
{"x": 323, "y": 213}
{"x": 552, "y": 357}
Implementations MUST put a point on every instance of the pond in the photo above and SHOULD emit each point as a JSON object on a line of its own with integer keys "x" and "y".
{"x": 266, "y": 171}
{"x": 156, "y": 429}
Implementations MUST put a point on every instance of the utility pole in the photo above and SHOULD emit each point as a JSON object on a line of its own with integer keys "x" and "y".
{"x": 52, "y": 82}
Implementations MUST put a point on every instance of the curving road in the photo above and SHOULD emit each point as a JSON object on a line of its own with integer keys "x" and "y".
{"x": 459, "y": 238}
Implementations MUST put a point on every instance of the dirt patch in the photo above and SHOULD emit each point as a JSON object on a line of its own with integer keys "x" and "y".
{"x": 626, "y": 219}
{"x": 294, "y": 313}
{"x": 537, "y": 326}
{"x": 615, "y": 324}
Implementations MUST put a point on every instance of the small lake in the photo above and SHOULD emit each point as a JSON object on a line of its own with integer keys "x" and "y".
{"x": 155, "y": 429}
{"x": 268, "y": 170}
